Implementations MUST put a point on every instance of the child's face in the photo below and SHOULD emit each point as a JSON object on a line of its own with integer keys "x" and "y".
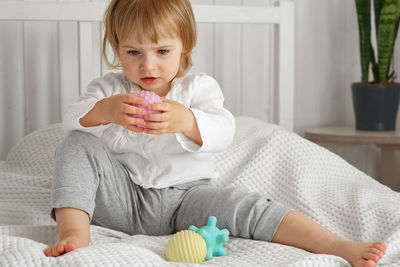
{"x": 151, "y": 65}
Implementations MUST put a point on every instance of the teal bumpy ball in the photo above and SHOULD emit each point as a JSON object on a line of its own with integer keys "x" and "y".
{"x": 213, "y": 236}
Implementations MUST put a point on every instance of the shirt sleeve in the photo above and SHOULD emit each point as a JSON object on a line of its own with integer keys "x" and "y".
{"x": 97, "y": 90}
{"x": 216, "y": 124}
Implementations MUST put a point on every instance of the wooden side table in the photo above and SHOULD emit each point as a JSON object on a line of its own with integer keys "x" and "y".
{"x": 388, "y": 142}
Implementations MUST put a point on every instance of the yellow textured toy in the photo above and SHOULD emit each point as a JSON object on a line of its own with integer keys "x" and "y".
{"x": 186, "y": 246}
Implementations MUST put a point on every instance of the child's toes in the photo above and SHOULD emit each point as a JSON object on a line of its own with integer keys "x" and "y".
{"x": 70, "y": 247}
{"x": 377, "y": 252}
{"x": 380, "y": 245}
{"x": 47, "y": 252}
{"x": 370, "y": 256}
{"x": 369, "y": 263}
{"x": 54, "y": 251}
{"x": 60, "y": 248}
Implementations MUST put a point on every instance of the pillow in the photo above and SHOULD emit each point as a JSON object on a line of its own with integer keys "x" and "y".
{"x": 34, "y": 154}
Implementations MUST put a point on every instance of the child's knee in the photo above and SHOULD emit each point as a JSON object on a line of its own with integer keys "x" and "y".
{"x": 245, "y": 214}
{"x": 79, "y": 139}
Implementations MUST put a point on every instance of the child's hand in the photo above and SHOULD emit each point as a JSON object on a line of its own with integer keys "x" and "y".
{"x": 119, "y": 109}
{"x": 174, "y": 118}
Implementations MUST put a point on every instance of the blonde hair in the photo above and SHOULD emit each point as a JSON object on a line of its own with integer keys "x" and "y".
{"x": 153, "y": 19}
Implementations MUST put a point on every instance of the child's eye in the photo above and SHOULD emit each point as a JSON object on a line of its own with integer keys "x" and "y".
{"x": 133, "y": 52}
{"x": 163, "y": 51}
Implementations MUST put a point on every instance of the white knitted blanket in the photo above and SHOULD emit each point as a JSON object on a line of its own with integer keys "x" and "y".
{"x": 263, "y": 158}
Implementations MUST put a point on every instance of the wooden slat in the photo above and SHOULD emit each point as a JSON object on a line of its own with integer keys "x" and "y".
{"x": 12, "y": 105}
{"x": 90, "y": 53}
{"x": 286, "y": 66}
{"x": 41, "y": 74}
{"x": 94, "y": 11}
{"x": 57, "y": 11}
{"x": 228, "y": 68}
{"x": 236, "y": 14}
{"x": 69, "y": 62}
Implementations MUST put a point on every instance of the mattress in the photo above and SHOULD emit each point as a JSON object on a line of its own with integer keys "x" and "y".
{"x": 263, "y": 157}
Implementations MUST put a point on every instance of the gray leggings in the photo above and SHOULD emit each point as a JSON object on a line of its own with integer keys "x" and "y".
{"x": 87, "y": 177}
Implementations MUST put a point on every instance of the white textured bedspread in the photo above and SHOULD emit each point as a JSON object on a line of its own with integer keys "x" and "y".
{"x": 262, "y": 158}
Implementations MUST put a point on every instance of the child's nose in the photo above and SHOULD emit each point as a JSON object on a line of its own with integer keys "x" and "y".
{"x": 147, "y": 63}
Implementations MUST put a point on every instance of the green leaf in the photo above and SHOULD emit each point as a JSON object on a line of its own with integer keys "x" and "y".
{"x": 398, "y": 20}
{"x": 377, "y": 8}
{"x": 364, "y": 27}
{"x": 386, "y": 38}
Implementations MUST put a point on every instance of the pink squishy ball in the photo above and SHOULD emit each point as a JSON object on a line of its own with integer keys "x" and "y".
{"x": 150, "y": 98}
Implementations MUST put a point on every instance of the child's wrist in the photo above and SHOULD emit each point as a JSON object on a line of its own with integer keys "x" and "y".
{"x": 190, "y": 121}
{"x": 102, "y": 117}
{"x": 193, "y": 131}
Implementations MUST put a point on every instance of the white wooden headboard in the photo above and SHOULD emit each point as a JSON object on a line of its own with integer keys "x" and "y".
{"x": 84, "y": 19}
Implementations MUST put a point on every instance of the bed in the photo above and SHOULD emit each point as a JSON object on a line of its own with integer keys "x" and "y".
{"x": 265, "y": 156}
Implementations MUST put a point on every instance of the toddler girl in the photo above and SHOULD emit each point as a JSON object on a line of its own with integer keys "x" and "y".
{"x": 152, "y": 175}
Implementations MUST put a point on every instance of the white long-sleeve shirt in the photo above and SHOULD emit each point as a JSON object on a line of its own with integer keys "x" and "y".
{"x": 160, "y": 161}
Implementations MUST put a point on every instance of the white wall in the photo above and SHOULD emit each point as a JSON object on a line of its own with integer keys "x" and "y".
{"x": 327, "y": 62}
{"x": 326, "y": 65}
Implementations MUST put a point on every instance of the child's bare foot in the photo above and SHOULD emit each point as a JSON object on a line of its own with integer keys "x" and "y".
{"x": 66, "y": 244}
{"x": 74, "y": 231}
{"x": 299, "y": 231}
{"x": 362, "y": 254}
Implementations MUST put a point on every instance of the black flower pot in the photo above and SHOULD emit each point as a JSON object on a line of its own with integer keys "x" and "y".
{"x": 375, "y": 106}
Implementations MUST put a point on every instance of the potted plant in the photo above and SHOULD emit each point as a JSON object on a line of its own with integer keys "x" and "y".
{"x": 376, "y": 97}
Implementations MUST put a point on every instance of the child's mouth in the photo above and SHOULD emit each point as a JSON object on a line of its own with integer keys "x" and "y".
{"x": 149, "y": 80}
